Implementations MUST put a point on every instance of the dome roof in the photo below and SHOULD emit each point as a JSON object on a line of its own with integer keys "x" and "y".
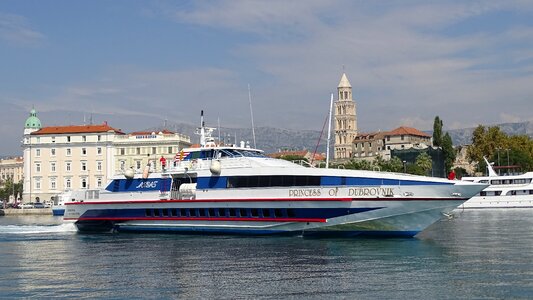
{"x": 32, "y": 121}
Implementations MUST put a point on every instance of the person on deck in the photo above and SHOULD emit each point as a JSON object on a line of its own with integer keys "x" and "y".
{"x": 451, "y": 176}
{"x": 163, "y": 162}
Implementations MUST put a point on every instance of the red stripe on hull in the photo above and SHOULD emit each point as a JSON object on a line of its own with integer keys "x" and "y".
{"x": 198, "y": 219}
{"x": 265, "y": 200}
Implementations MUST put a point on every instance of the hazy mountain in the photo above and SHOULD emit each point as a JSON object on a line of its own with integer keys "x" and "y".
{"x": 267, "y": 138}
{"x": 272, "y": 139}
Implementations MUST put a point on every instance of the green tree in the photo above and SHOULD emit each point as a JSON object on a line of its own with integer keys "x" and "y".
{"x": 437, "y": 132}
{"x": 448, "y": 152}
{"x": 423, "y": 163}
{"x": 499, "y": 147}
{"x": 392, "y": 165}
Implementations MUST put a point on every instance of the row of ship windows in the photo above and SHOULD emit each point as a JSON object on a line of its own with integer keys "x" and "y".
{"x": 507, "y": 181}
{"x": 222, "y": 212}
{"x": 509, "y": 193}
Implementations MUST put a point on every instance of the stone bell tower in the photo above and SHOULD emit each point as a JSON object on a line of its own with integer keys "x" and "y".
{"x": 345, "y": 120}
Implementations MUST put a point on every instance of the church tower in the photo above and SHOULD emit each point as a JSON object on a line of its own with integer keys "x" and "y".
{"x": 345, "y": 120}
{"x": 32, "y": 124}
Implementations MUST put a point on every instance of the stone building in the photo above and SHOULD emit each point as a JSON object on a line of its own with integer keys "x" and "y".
{"x": 61, "y": 158}
{"x": 138, "y": 149}
{"x": 369, "y": 145}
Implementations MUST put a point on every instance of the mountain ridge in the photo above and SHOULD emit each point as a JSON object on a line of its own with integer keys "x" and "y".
{"x": 272, "y": 139}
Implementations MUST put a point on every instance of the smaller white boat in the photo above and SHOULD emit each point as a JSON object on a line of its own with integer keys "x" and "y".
{"x": 505, "y": 191}
{"x": 58, "y": 205}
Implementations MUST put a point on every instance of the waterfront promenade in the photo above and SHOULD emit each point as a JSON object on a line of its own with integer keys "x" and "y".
{"x": 25, "y": 211}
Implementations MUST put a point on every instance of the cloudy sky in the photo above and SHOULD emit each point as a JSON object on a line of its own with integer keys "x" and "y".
{"x": 135, "y": 63}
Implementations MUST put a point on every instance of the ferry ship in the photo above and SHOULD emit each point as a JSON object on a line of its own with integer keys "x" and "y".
{"x": 228, "y": 189}
{"x": 505, "y": 191}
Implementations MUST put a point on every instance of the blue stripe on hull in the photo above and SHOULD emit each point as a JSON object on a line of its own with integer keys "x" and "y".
{"x": 220, "y": 212}
{"x": 58, "y": 212}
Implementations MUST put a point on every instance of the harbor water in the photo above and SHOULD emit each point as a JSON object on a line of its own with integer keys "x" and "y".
{"x": 475, "y": 254}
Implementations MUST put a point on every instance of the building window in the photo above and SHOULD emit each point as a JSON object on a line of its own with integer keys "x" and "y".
{"x": 154, "y": 150}
{"x": 99, "y": 138}
{"x": 122, "y": 164}
{"x": 84, "y": 166}
{"x": 69, "y": 152}
{"x": 122, "y": 151}
{"x": 84, "y": 138}
{"x": 68, "y": 183}
{"x": 83, "y": 151}
{"x": 138, "y": 150}
{"x": 52, "y": 183}
{"x": 37, "y": 183}
{"x": 99, "y": 150}
{"x": 38, "y": 167}
{"x": 52, "y": 167}
{"x": 138, "y": 164}
{"x": 38, "y": 140}
{"x": 37, "y": 152}
{"x": 84, "y": 183}
{"x": 99, "y": 182}
{"x": 99, "y": 166}
{"x": 169, "y": 150}
{"x": 402, "y": 137}
{"x": 53, "y": 139}
{"x": 68, "y": 139}
{"x": 53, "y": 152}
{"x": 67, "y": 166}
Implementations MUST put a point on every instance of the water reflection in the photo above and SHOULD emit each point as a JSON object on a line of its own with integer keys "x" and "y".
{"x": 479, "y": 254}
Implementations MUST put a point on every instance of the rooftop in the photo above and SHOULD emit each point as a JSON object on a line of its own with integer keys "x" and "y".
{"x": 71, "y": 129}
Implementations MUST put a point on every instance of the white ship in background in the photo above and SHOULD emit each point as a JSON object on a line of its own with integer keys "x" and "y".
{"x": 504, "y": 191}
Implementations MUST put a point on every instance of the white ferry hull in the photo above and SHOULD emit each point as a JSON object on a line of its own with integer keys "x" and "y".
{"x": 323, "y": 217}
{"x": 523, "y": 201}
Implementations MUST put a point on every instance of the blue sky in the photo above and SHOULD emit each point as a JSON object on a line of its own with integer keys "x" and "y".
{"x": 136, "y": 63}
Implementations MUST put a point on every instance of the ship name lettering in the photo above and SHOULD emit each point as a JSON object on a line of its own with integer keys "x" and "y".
{"x": 304, "y": 192}
{"x": 372, "y": 191}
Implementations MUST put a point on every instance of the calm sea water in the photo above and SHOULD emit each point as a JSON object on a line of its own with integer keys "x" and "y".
{"x": 477, "y": 254}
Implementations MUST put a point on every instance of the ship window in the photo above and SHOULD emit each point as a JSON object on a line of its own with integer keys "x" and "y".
{"x": 290, "y": 213}
{"x": 266, "y": 213}
{"x": 483, "y": 193}
{"x": 268, "y": 181}
{"x": 498, "y": 193}
{"x": 254, "y": 212}
{"x": 278, "y": 213}
{"x": 232, "y": 212}
{"x": 174, "y": 212}
{"x": 222, "y": 212}
{"x": 242, "y": 212}
{"x": 212, "y": 212}
{"x": 193, "y": 212}
{"x": 201, "y": 212}
{"x": 165, "y": 212}
{"x": 531, "y": 192}
{"x": 148, "y": 212}
{"x": 156, "y": 212}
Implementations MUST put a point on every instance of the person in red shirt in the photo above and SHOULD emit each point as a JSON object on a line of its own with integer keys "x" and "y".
{"x": 451, "y": 176}
{"x": 163, "y": 162}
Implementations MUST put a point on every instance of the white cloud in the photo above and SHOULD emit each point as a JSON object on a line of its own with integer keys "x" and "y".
{"x": 15, "y": 30}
